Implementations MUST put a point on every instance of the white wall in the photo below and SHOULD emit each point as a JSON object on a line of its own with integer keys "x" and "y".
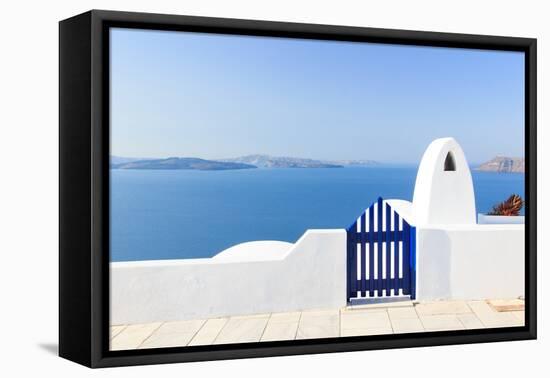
{"x": 311, "y": 276}
{"x": 500, "y": 219}
{"x": 470, "y": 262}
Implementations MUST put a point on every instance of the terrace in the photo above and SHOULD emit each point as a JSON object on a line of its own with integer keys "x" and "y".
{"x": 374, "y": 319}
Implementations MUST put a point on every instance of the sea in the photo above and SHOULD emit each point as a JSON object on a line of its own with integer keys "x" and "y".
{"x": 182, "y": 214}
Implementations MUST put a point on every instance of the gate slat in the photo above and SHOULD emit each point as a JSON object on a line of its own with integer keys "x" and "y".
{"x": 379, "y": 221}
{"x": 371, "y": 250}
{"x": 363, "y": 254}
{"x": 396, "y": 253}
{"x": 388, "y": 234}
{"x": 406, "y": 258}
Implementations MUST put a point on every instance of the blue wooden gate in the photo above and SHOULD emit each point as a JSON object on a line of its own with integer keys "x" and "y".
{"x": 381, "y": 256}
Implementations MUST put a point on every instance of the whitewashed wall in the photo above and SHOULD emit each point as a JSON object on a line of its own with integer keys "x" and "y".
{"x": 312, "y": 275}
{"x": 500, "y": 219}
{"x": 470, "y": 261}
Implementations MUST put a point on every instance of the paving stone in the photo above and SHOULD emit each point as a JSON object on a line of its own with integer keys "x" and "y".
{"x": 442, "y": 308}
{"x": 245, "y": 329}
{"x": 366, "y": 331}
{"x": 354, "y": 310}
{"x": 319, "y": 324}
{"x": 520, "y": 316}
{"x": 185, "y": 326}
{"x": 470, "y": 321}
{"x": 402, "y": 313}
{"x": 406, "y": 325}
{"x": 316, "y": 313}
{"x": 172, "y": 334}
{"x": 280, "y": 331}
{"x": 164, "y": 340}
{"x": 133, "y": 335}
{"x": 115, "y": 330}
{"x": 281, "y": 326}
{"x": 491, "y": 318}
{"x": 445, "y": 322}
{"x": 209, "y": 331}
{"x": 253, "y": 316}
{"x": 365, "y": 320}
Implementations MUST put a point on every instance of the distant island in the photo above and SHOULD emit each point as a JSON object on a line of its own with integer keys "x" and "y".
{"x": 181, "y": 163}
{"x": 357, "y": 163}
{"x": 503, "y": 164}
{"x": 266, "y": 161}
{"x": 243, "y": 162}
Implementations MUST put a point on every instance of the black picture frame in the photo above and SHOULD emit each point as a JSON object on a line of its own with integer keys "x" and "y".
{"x": 84, "y": 187}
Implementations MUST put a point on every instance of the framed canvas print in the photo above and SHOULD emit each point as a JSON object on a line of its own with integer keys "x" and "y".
{"x": 234, "y": 188}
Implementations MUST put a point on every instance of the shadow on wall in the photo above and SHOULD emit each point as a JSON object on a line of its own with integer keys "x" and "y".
{"x": 434, "y": 264}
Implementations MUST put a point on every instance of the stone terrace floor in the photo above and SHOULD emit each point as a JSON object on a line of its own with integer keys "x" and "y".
{"x": 402, "y": 317}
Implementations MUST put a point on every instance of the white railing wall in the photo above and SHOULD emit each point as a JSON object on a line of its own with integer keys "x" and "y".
{"x": 312, "y": 275}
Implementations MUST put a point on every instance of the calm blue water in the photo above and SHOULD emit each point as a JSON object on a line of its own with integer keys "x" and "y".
{"x": 189, "y": 214}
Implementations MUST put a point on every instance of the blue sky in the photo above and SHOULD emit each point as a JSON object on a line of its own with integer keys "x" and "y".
{"x": 215, "y": 96}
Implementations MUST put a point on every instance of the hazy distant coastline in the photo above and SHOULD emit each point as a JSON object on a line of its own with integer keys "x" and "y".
{"x": 175, "y": 163}
{"x": 503, "y": 164}
{"x": 243, "y": 162}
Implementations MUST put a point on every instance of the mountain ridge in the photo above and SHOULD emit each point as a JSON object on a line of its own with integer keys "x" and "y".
{"x": 269, "y": 161}
{"x": 242, "y": 162}
{"x": 503, "y": 164}
{"x": 181, "y": 163}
